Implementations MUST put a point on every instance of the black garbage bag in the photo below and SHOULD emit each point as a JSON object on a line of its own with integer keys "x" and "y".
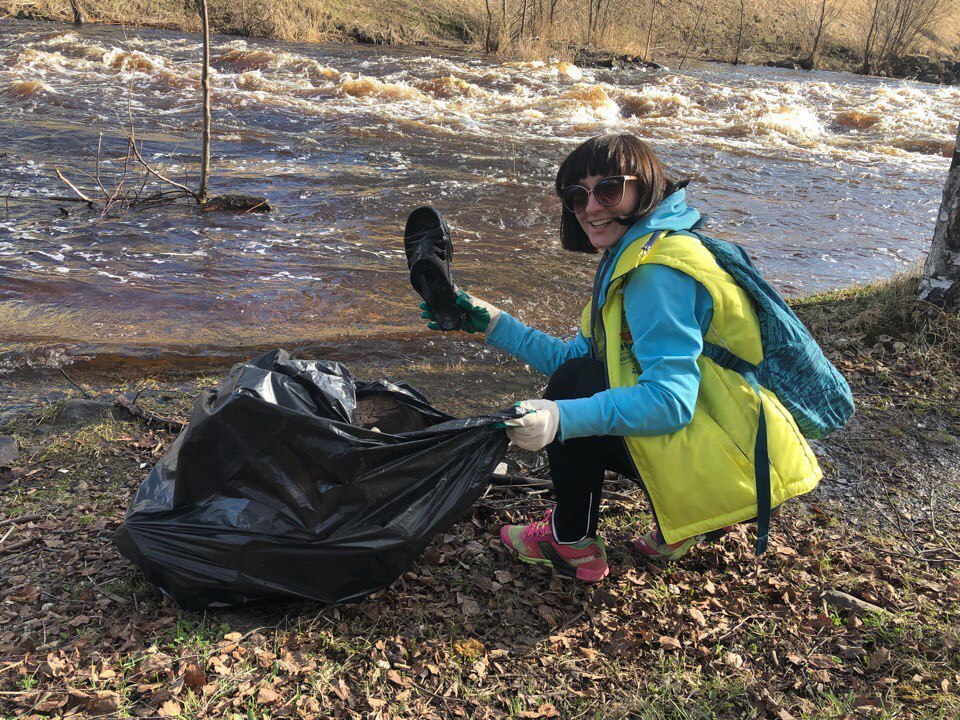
{"x": 294, "y": 481}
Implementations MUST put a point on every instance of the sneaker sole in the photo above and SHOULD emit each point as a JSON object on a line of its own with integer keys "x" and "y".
{"x": 580, "y": 573}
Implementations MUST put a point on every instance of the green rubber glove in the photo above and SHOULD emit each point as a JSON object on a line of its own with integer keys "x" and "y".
{"x": 481, "y": 317}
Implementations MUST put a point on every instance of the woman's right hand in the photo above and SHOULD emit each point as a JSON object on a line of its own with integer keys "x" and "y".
{"x": 481, "y": 317}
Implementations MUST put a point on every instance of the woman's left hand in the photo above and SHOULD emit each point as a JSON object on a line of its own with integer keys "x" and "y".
{"x": 538, "y": 427}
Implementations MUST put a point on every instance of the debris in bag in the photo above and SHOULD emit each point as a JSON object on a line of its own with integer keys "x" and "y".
{"x": 295, "y": 481}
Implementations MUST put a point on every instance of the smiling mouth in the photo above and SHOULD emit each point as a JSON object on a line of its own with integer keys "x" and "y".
{"x": 600, "y": 223}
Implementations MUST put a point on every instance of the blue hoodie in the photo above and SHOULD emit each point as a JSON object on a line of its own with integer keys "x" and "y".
{"x": 667, "y": 312}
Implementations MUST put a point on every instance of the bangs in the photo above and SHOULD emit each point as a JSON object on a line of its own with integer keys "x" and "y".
{"x": 594, "y": 158}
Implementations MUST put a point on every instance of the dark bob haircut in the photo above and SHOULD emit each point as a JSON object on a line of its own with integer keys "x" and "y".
{"x": 607, "y": 155}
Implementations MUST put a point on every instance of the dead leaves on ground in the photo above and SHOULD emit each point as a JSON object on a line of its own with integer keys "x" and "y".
{"x": 469, "y": 632}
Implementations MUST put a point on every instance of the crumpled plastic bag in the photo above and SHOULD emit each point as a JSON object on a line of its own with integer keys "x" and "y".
{"x": 295, "y": 481}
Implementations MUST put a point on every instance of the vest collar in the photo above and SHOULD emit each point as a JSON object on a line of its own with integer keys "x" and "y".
{"x": 671, "y": 214}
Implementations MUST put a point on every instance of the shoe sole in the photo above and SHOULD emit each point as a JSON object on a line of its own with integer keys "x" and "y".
{"x": 430, "y": 282}
{"x": 580, "y": 573}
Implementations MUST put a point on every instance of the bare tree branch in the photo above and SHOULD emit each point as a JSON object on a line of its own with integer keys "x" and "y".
{"x": 73, "y": 187}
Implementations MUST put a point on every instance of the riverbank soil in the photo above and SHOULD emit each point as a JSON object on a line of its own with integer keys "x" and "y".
{"x": 853, "y": 611}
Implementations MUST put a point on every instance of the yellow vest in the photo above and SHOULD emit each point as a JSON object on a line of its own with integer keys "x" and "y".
{"x": 702, "y": 477}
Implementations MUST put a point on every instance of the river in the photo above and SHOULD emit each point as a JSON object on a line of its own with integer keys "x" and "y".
{"x": 829, "y": 179}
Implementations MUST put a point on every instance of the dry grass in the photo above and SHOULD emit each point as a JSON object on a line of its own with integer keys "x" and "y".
{"x": 772, "y": 29}
{"x": 884, "y": 318}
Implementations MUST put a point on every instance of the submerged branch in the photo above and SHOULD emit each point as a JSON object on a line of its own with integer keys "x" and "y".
{"x": 163, "y": 178}
{"x": 83, "y": 197}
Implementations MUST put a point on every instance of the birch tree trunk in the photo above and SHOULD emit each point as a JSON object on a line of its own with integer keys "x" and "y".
{"x": 941, "y": 273}
{"x": 205, "y": 86}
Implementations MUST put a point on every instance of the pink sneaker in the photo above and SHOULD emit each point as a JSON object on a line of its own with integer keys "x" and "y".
{"x": 534, "y": 543}
{"x": 650, "y": 547}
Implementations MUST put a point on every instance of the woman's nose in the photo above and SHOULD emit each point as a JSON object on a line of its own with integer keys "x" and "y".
{"x": 592, "y": 204}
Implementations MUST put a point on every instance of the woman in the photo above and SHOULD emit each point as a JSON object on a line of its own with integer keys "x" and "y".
{"x": 633, "y": 391}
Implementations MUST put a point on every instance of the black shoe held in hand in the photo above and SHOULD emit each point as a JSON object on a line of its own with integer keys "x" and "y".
{"x": 426, "y": 241}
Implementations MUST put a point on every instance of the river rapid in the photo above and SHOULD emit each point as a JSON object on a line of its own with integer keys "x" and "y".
{"x": 828, "y": 179}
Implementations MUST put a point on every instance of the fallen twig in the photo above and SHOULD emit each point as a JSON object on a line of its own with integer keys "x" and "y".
{"x": 21, "y": 519}
{"x": 73, "y": 382}
{"x": 732, "y": 630}
{"x": 138, "y": 412}
{"x": 17, "y": 545}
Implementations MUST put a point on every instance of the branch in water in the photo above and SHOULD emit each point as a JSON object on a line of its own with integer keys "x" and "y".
{"x": 73, "y": 187}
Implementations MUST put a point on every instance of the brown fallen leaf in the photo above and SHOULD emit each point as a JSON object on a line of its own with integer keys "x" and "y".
{"x": 266, "y": 695}
{"x": 51, "y": 704}
{"x": 469, "y": 606}
{"x": 544, "y": 711}
{"x": 468, "y": 647}
{"x": 548, "y": 614}
{"x": 376, "y": 703}
{"x": 878, "y": 658}
{"x": 670, "y": 643}
{"x": 103, "y": 702}
{"x": 307, "y": 706}
{"x": 53, "y": 666}
{"x": 26, "y": 595}
{"x": 193, "y": 676}
{"x": 171, "y": 708}
{"x": 394, "y": 677}
{"x": 341, "y": 689}
{"x": 155, "y": 663}
{"x": 218, "y": 666}
{"x": 697, "y": 616}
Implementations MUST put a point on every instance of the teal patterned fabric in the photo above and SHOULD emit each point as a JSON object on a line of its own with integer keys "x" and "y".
{"x": 793, "y": 366}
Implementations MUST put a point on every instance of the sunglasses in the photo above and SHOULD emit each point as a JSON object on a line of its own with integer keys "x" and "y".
{"x": 608, "y": 192}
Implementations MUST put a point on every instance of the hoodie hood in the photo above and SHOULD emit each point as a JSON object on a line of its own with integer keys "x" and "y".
{"x": 671, "y": 214}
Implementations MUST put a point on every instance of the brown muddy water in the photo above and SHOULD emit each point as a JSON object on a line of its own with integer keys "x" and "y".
{"x": 829, "y": 179}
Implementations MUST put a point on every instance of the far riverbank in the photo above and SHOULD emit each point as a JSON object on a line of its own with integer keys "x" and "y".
{"x": 772, "y": 35}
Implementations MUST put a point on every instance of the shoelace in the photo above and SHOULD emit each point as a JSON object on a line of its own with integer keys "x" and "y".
{"x": 538, "y": 529}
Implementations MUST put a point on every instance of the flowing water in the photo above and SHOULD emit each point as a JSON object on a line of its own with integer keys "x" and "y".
{"x": 829, "y": 179}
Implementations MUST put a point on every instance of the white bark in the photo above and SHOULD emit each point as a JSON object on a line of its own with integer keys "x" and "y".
{"x": 205, "y": 88}
{"x": 941, "y": 272}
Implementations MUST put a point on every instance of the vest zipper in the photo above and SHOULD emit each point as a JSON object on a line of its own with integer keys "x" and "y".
{"x": 594, "y": 316}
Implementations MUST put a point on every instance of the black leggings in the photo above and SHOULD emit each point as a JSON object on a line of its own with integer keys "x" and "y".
{"x": 577, "y": 466}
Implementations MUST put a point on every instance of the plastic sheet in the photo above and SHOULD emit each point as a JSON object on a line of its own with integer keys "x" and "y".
{"x": 294, "y": 481}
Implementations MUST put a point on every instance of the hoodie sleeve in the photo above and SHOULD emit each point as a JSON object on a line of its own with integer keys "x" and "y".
{"x": 667, "y": 312}
{"x": 539, "y": 350}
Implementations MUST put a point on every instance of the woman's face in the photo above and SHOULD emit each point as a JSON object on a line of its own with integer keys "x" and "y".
{"x": 598, "y": 221}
